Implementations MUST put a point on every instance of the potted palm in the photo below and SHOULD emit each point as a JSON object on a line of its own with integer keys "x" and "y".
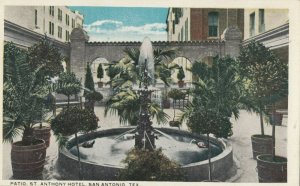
{"x": 180, "y": 77}
{"x": 71, "y": 121}
{"x": 216, "y": 97}
{"x": 23, "y": 94}
{"x": 266, "y": 79}
{"x": 176, "y": 95}
{"x": 100, "y": 75}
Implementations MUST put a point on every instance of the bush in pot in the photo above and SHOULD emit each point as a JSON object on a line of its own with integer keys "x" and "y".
{"x": 176, "y": 95}
{"x": 266, "y": 82}
{"x": 71, "y": 121}
{"x": 23, "y": 94}
{"x": 216, "y": 97}
{"x": 180, "y": 77}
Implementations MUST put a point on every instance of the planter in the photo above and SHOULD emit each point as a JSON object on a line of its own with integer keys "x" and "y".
{"x": 28, "y": 161}
{"x": 180, "y": 84}
{"x": 100, "y": 84}
{"x": 43, "y": 133}
{"x": 166, "y": 103}
{"x": 174, "y": 124}
{"x": 275, "y": 118}
{"x": 270, "y": 171}
{"x": 261, "y": 145}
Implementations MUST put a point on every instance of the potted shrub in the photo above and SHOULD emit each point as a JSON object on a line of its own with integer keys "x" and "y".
{"x": 100, "y": 75}
{"x": 145, "y": 165}
{"x": 46, "y": 56}
{"x": 68, "y": 85}
{"x": 176, "y": 95}
{"x": 180, "y": 77}
{"x": 91, "y": 98}
{"x": 23, "y": 94}
{"x": 71, "y": 121}
{"x": 266, "y": 79}
{"x": 216, "y": 97}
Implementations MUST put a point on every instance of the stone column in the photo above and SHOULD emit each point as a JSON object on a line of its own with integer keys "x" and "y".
{"x": 233, "y": 38}
{"x": 77, "y": 52}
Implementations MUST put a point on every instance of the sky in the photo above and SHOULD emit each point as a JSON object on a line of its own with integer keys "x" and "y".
{"x": 124, "y": 23}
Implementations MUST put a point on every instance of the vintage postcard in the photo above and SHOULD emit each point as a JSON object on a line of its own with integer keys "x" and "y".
{"x": 133, "y": 94}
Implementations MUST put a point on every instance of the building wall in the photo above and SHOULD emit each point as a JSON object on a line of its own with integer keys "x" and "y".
{"x": 272, "y": 19}
{"x": 25, "y": 16}
{"x": 198, "y": 23}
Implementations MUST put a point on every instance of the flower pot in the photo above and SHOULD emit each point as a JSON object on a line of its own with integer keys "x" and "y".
{"x": 261, "y": 144}
{"x": 269, "y": 170}
{"x": 180, "y": 84}
{"x": 28, "y": 161}
{"x": 43, "y": 133}
{"x": 100, "y": 84}
{"x": 275, "y": 118}
{"x": 174, "y": 123}
{"x": 166, "y": 103}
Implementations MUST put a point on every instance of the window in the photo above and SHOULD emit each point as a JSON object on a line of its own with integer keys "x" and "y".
{"x": 261, "y": 26}
{"x": 59, "y": 13}
{"x": 51, "y": 28}
{"x": 252, "y": 24}
{"x": 51, "y": 10}
{"x": 213, "y": 24}
{"x": 59, "y": 32}
{"x": 35, "y": 17}
{"x": 186, "y": 30}
{"x": 67, "y": 20}
{"x": 73, "y": 23}
{"x": 67, "y": 35}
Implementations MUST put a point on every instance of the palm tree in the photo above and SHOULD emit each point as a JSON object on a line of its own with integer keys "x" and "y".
{"x": 124, "y": 102}
{"x": 217, "y": 95}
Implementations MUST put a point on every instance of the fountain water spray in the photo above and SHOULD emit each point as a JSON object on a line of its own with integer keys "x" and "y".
{"x": 144, "y": 137}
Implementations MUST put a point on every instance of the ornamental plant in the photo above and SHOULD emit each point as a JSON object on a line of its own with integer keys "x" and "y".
{"x": 45, "y": 54}
{"x": 180, "y": 74}
{"x": 100, "y": 72}
{"x": 145, "y": 165}
{"x": 89, "y": 82}
{"x": 218, "y": 94}
{"x": 71, "y": 121}
{"x": 68, "y": 85}
{"x": 265, "y": 75}
{"x": 23, "y": 94}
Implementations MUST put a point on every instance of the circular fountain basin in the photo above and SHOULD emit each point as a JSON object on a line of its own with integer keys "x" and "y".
{"x": 104, "y": 160}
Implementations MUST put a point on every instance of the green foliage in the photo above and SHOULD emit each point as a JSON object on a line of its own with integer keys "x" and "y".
{"x": 144, "y": 165}
{"x": 217, "y": 96}
{"x": 176, "y": 94}
{"x": 180, "y": 75}
{"x": 23, "y": 94}
{"x": 68, "y": 84}
{"x": 100, "y": 72}
{"x": 126, "y": 103}
{"x": 94, "y": 96}
{"x": 73, "y": 120}
{"x": 265, "y": 75}
{"x": 46, "y": 55}
{"x": 89, "y": 82}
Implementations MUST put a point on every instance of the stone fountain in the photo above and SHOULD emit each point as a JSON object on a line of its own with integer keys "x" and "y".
{"x": 104, "y": 160}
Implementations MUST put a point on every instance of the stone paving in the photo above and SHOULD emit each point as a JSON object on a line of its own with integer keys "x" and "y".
{"x": 243, "y": 128}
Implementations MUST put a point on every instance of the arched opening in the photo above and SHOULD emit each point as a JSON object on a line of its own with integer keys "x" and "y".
{"x": 94, "y": 67}
{"x": 186, "y": 64}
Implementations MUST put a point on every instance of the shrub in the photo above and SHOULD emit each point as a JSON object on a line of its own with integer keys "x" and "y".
{"x": 176, "y": 94}
{"x": 180, "y": 75}
{"x": 89, "y": 82}
{"x": 145, "y": 165}
{"x": 100, "y": 72}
